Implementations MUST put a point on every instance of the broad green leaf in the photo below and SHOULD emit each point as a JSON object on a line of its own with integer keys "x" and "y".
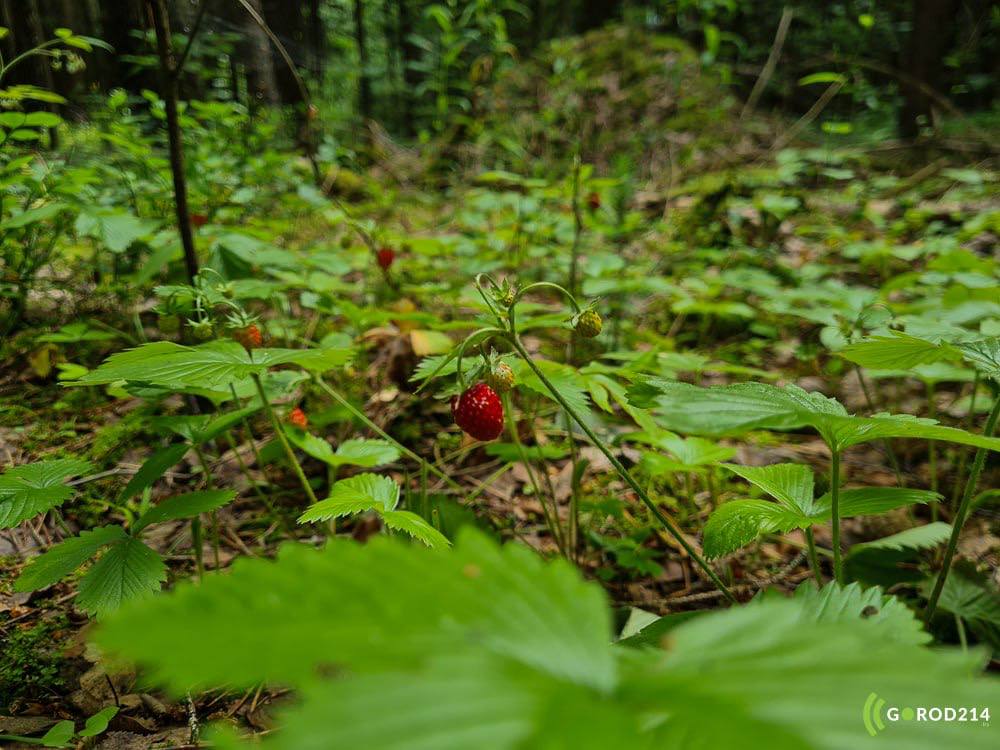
{"x": 891, "y": 560}
{"x": 969, "y": 598}
{"x": 415, "y": 526}
{"x": 735, "y": 409}
{"x": 457, "y": 703}
{"x": 570, "y": 384}
{"x": 26, "y": 491}
{"x": 762, "y": 676}
{"x": 835, "y": 604}
{"x": 212, "y": 365}
{"x": 356, "y": 452}
{"x": 127, "y": 570}
{"x": 739, "y": 522}
{"x": 152, "y": 469}
{"x": 97, "y": 723}
{"x": 187, "y": 505}
{"x": 789, "y": 484}
{"x": 984, "y": 355}
{"x": 863, "y": 501}
{"x": 370, "y": 607}
{"x": 65, "y": 557}
{"x": 59, "y": 735}
{"x": 897, "y": 351}
{"x": 355, "y": 495}
{"x": 34, "y": 215}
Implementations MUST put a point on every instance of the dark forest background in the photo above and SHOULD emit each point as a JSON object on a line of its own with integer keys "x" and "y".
{"x": 420, "y": 69}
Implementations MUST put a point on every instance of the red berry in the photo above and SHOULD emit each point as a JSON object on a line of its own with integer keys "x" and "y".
{"x": 479, "y": 412}
{"x": 385, "y": 258}
{"x": 250, "y": 337}
{"x": 198, "y": 220}
{"x": 594, "y": 201}
{"x": 298, "y": 418}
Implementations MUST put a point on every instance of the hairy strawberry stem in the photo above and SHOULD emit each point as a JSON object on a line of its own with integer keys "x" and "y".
{"x": 963, "y": 511}
{"x": 813, "y": 557}
{"x": 280, "y": 430}
{"x": 515, "y": 342}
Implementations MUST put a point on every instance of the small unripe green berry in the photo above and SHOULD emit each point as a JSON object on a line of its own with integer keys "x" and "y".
{"x": 500, "y": 377}
{"x": 589, "y": 323}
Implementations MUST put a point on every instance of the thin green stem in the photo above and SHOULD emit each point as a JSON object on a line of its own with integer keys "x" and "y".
{"x": 963, "y": 511}
{"x": 962, "y": 639}
{"x": 672, "y": 529}
{"x": 813, "y": 557}
{"x": 385, "y": 435}
{"x": 215, "y": 518}
{"x": 551, "y": 518}
{"x": 280, "y": 430}
{"x": 838, "y": 567}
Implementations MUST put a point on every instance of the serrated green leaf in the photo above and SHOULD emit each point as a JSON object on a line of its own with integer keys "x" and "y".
{"x": 212, "y": 365}
{"x": 355, "y": 495}
{"x": 890, "y": 560}
{"x": 26, "y": 491}
{"x": 970, "y": 599}
{"x": 152, "y": 469}
{"x": 837, "y": 604}
{"x": 127, "y": 570}
{"x": 984, "y": 355}
{"x": 863, "y": 501}
{"x": 187, "y": 505}
{"x": 736, "y": 409}
{"x": 415, "y": 526}
{"x": 385, "y": 604}
{"x": 65, "y": 557}
{"x": 897, "y": 351}
{"x": 570, "y": 384}
{"x": 357, "y": 452}
{"x": 739, "y": 522}
{"x": 789, "y": 484}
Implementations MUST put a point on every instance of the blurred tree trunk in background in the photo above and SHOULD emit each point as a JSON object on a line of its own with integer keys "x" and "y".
{"x": 288, "y": 22}
{"x": 931, "y": 36}
{"x": 364, "y": 82}
{"x": 255, "y": 53}
{"x": 408, "y": 54}
{"x": 596, "y": 13}
{"x": 317, "y": 41}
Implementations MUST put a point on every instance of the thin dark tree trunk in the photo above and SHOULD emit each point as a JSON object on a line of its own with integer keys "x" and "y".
{"x": 408, "y": 54}
{"x": 923, "y": 59}
{"x": 168, "y": 78}
{"x": 364, "y": 82}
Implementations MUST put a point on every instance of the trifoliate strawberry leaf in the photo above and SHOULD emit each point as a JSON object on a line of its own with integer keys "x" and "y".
{"x": 212, "y": 365}
{"x": 127, "y": 570}
{"x": 357, "y": 452}
{"x": 356, "y": 494}
{"x": 62, "y": 559}
{"x": 26, "y": 491}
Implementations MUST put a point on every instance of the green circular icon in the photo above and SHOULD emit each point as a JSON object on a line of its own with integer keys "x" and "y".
{"x": 908, "y": 714}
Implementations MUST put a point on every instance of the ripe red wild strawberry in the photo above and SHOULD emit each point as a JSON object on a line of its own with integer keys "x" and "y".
{"x": 298, "y": 418}
{"x": 385, "y": 258}
{"x": 594, "y": 201}
{"x": 250, "y": 337}
{"x": 479, "y": 412}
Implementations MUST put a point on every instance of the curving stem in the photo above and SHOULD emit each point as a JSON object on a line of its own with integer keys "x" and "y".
{"x": 515, "y": 342}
